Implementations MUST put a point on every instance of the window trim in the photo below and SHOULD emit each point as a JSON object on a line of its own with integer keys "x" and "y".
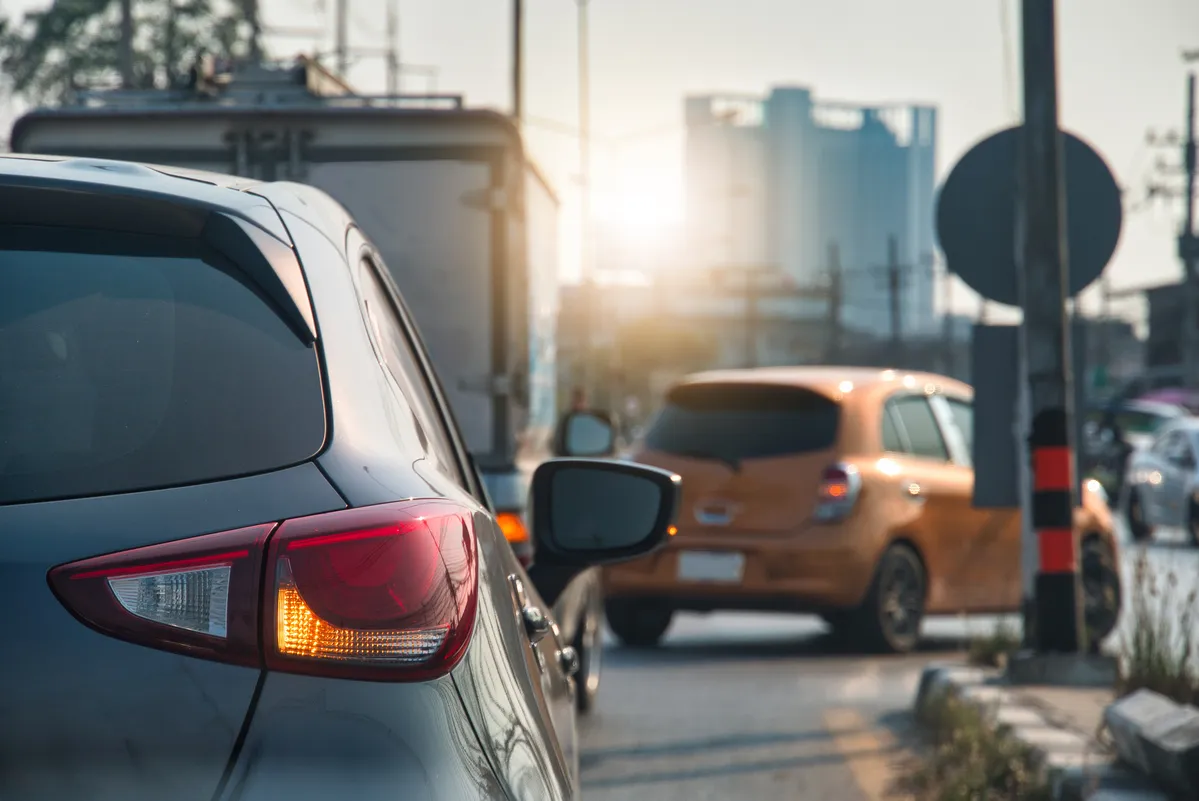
{"x": 369, "y": 259}
{"x": 954, "y": 438}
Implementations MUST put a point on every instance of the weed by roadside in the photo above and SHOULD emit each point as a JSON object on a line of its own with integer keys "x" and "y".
{"x": 1159, "y": 651}
{"x": 968, "y": 759}
{"x": 994, "y": 649}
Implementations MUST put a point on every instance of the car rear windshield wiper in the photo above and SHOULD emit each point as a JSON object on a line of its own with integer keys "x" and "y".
{"x": 733, "y": 462}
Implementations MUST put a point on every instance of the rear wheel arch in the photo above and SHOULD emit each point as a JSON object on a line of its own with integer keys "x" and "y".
{"x": 908, "y": 542}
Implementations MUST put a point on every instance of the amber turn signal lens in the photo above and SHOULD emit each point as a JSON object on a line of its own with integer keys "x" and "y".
{"x": 513, "y": 527}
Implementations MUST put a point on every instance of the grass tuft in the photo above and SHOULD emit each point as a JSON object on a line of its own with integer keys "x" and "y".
{"x": 1159, "y": 651}
{"x": 969, "y": 759}
{"x": 994, "y": 649}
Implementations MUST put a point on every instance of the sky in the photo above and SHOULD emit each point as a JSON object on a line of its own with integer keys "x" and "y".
{"x": 1121, "y": 75}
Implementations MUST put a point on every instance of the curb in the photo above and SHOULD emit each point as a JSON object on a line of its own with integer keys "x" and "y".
{"x": 1075, "y": 766}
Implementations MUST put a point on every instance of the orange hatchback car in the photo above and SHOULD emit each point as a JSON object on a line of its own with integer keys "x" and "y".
{"x": 845, "y": 492}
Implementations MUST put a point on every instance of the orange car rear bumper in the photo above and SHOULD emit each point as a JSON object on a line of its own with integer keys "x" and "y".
{"x": 816, "y": 568}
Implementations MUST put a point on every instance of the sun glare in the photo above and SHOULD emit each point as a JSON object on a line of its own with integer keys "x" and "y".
{"x": 645, "y": 206}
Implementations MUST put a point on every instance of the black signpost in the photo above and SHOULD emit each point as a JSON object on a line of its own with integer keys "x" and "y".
{"x": 1026, "y": 221}
{"x": 977, "y": 215}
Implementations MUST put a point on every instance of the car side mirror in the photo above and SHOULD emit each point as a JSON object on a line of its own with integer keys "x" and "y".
{"x": 590, "y": 512}
{"x": 587, "y": 434}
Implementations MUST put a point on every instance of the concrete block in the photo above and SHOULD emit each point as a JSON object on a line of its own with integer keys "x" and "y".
{"x": 1158, "y": 737}
{"x": 1063, "y": 670}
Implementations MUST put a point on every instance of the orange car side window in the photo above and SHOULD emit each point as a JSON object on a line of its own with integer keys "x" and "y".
{"x": 920, "y": 425}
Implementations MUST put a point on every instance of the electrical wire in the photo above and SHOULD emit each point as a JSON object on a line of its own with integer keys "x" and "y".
{"x": 1009, "y": 60}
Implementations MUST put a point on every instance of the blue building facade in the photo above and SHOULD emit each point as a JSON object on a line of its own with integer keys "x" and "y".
{"x": 789, "y": 177}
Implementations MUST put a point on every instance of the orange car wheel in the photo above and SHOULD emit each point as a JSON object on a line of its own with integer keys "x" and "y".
{"x": 892, "y": 615}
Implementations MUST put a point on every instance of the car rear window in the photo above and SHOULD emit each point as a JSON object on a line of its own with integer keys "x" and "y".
{"x": 733, "y": 422}
{"x": 134, "y": 362}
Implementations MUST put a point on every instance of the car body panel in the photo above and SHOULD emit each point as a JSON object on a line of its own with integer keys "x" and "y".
{"x": 91, "y": 716}
{"x": 510, "y": 697}
{"x": 312, "y": 738}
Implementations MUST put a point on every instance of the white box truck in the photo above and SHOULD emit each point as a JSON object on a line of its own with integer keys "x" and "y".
{"x": 464, "y": 220}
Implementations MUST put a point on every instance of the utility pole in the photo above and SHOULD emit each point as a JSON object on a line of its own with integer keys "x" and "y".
{"x": 393, "y": 48}
{"x": 169, "y": 37}
{"x": 1187, "y": 252}
{"x": 947, "y": 338}
{"x": 590, "y": 316}
{"x": 894, "y": 296}
{"x": 127, "y": 44}
{"x": 518, "y": 62}
{"x": 1105, "y": 322}
{"x": 342, "y": 11}
{"x": 751, "y": 317}
{"x": 1057, "y": 620}
{"x": 835, "y": 301}
{"x": 254, "y": 16}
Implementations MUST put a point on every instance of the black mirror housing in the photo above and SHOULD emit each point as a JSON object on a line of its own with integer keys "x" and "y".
{"x": 585, "y": 434}
{"x": 595, "y": 511}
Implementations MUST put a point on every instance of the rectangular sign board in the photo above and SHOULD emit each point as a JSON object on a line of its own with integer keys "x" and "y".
{"x": 995, "y": 372}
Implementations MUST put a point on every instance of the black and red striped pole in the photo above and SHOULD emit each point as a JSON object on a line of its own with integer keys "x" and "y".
{"x": 1043, "y": 278}
{"x": 1058, "y": 621}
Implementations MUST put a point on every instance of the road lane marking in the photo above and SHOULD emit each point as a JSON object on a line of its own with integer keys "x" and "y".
{"x": 869, "y": 752}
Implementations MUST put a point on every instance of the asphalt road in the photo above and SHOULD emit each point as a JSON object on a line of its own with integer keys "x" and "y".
{"x": 762, "y": 707}
{"x": 753, "y": 707}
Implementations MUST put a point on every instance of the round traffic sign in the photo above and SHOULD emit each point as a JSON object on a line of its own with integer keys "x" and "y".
{"x": 976, "y": 215}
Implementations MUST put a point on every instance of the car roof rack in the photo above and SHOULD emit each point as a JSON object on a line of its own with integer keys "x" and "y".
{"x": 223, "y": 83}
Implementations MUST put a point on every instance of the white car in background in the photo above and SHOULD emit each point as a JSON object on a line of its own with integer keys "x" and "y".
{"x": 1139, "y": 420}
{"x": 1162, "y": 482}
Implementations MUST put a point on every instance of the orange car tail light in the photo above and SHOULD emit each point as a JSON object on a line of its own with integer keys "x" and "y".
{"x": 840, "y": 485}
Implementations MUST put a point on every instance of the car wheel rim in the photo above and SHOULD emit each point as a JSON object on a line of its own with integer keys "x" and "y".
{"x": 902, "y": 603}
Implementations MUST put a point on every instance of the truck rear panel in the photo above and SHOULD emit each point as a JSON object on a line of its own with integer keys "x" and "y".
{"x": 465, "y": 224}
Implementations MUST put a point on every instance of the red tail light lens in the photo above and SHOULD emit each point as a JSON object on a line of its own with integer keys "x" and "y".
{"x": 840, "y": 485}
{"x": 384, "y": 593}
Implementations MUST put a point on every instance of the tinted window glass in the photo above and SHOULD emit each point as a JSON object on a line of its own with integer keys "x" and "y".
{"x": 133, "y": 363}
{"x": 892, "y": 441}
{"x": 732, "y": 422}
{"x": 1165, "y": 442}
{"x": 404, "y": 367}
{"x": 921, "y": 426}
{"x": 963, "y": 416}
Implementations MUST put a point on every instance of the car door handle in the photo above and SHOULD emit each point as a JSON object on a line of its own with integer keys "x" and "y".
{"x": 535, "y": 621}
{"x": 568, "y": 657}
{"x": 537, "y": 625}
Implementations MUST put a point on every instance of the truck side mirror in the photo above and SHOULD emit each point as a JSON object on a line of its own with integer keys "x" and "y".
{"x": 586, "y": 434}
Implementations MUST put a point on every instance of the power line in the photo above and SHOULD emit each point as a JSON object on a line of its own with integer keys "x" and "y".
{"x": 1009, "y": 59}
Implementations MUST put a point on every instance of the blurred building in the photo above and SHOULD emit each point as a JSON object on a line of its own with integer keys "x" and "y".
{"x": 1163, "y": 344}
{"x": 778, "y": 181}
{"x": 726, "y": 322}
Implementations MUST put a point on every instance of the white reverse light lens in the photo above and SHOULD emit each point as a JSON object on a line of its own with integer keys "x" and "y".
{"x": 196, "y": 600}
